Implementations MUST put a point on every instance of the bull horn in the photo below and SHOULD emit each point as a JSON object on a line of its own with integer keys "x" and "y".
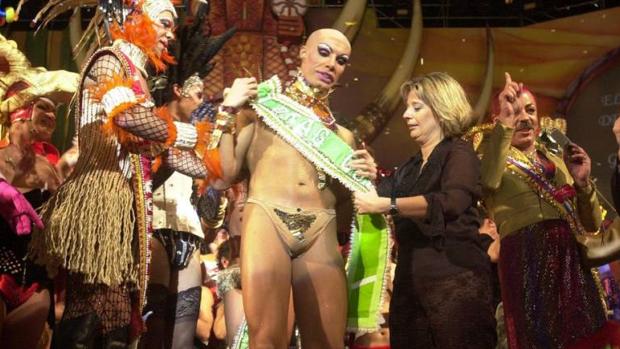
{"x": 75, "y": 33}
{"x": 373, "y": 118}
{"x": 350, "y": 19}
{"x": 487, "y": 86}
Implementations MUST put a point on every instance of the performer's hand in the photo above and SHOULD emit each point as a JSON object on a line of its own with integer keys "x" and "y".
{"x": 578, "y": 163}
{"x": 15, "y": 161}
{"x": 493, "y": 251}
{"x": 489, "y": 228}
{"x": 616, "y": 130}
{"x": 364, "y": 164}
{"x": 509, "y": 102}
{"x": 16, "y": 210}
{"x": 241, "y": 91}
{"x": 370, "y": 202}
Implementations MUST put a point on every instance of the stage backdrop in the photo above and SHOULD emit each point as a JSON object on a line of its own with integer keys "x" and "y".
{"x": 548, "y": 57}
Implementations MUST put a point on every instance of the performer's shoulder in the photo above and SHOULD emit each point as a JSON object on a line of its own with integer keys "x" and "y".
{"x": 105, "y": 56}
{"x": 478, "y": 136}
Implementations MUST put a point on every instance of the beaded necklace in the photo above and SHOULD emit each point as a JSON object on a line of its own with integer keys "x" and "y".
{"x": 312, "y": 98}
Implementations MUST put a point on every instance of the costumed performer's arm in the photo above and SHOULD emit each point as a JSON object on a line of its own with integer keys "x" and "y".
{"x": 579, "y": 166}
{"x": 233, "y": 156}
{"x": 123, "y": 99}
{"x": 495, "y": 151}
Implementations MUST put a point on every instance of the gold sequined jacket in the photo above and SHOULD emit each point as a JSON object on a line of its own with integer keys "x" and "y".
{"x": 511, "y": 201}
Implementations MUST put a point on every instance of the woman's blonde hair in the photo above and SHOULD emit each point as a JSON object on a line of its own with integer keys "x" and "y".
{"x": 446, "y": 98}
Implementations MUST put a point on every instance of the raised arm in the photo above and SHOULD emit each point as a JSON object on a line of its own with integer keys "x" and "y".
{"x": 495, "y": 149}
{"x": 233, "y": 155}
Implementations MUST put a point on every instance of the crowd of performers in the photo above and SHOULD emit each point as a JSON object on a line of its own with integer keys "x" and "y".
{"x": 176, "y": 223}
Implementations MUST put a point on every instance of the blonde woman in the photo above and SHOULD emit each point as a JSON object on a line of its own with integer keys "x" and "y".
{"x": 442, "y": 291}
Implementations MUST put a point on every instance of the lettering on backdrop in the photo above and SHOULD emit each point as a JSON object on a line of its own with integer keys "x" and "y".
{"x": 611, "y": 103}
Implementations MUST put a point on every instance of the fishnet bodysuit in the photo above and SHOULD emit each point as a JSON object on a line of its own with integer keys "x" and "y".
{"x": 139, "y": 120}
{"x": 186, "y": 163}
{"x": 112, "y": 304}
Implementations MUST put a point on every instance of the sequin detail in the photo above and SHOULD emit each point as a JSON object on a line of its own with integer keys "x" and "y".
{"x": 550, "y": 298}
{"x": 297, "y": 224}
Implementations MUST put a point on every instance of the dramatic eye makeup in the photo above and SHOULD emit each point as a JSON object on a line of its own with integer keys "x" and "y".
{"x": 342, "y": 59}
{"x": 166, "y": 23}
{"x": 324, "y": 49}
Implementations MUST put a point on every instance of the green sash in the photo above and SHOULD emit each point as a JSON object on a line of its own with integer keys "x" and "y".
{"x": 241, "y": 340}
{"x": 368, "y": 259}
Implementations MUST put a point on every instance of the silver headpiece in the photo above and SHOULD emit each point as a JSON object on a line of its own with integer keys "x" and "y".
{"x": 154, "y": 7}
{"x": 190, "y": 83}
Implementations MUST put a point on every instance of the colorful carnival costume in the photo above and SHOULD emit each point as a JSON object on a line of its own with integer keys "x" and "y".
{"x": 550, "y": 297}
{"x": 174, "y": 292}
{"x": 21, "y": 85}
{"x": 100, "y": 220}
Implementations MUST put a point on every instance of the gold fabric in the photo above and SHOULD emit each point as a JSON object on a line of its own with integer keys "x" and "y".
{"x": 602, "y": 247}
{"x": 12, "y": 60}
{"x": 511, "y": 202}
{"x": 58, "y": 85}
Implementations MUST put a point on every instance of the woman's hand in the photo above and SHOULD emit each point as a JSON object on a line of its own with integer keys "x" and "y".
{"x": 241, "y": 91}
{"x": 578, "y": 163}
{"x": 370, "y": 202}
{"x": 364, "y": 164}
{"x": 509, "y": 102}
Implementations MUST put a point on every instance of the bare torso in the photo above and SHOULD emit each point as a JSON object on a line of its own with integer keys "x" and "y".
{"x": 280, "y": 174}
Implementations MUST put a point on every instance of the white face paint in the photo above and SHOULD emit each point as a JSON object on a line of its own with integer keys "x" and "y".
{"x": 163, "y": 24}
{"x": 324, "y": 58}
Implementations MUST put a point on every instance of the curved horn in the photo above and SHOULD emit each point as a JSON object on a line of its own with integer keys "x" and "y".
{"x": 75, "y": 33}
{"x": 350, "y": 19}
{"x": 487, "y": 86}
{"x": 367, "y": 125}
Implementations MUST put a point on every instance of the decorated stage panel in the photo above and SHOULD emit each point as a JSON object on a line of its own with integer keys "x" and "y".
{"x": 570, "y": 64}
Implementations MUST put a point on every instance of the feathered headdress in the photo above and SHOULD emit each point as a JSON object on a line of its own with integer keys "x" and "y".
{"x": 109, "y": 12}
{"x": 193, "y": 51}
{"x": 57, "y": 85}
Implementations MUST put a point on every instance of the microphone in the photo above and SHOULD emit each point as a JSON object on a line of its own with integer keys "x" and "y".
{"x": 555, "y": 140}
